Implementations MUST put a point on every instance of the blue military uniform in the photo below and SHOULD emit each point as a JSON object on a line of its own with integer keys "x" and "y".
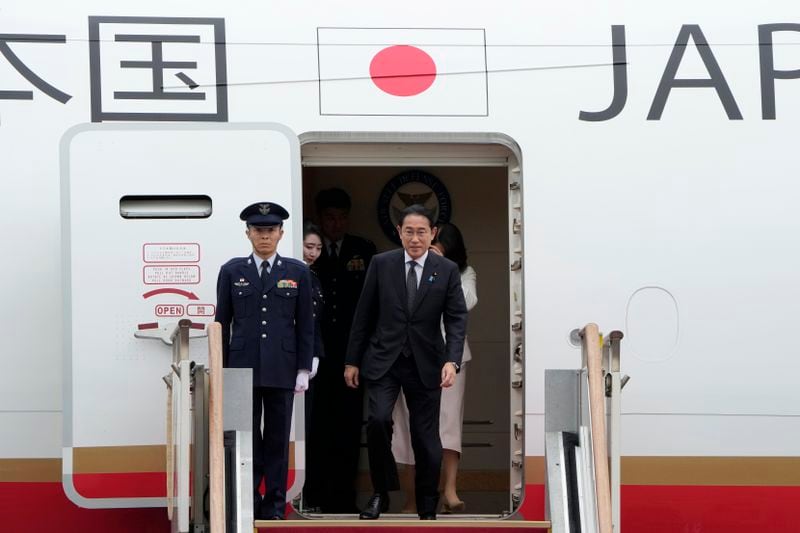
{"x": 314, "y": 441}
{"x": 267, "y": 325}
{"x": 272, "y": 326}
{"x": 318, "y": 301}
{"x": 333, "y": 466}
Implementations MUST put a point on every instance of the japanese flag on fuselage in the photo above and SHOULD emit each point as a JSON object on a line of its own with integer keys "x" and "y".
{"x": 402, "y": 71}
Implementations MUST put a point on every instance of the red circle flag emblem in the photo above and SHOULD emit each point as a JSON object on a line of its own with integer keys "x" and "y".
{"x": 384, "y": 72}
{"x": 402, "y": 70}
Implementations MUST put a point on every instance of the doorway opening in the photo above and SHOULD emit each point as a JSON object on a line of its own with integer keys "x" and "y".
{"x": 474, "y": 182}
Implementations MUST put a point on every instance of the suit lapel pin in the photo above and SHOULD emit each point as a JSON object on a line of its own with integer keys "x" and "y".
{"x": 432, "y": 277}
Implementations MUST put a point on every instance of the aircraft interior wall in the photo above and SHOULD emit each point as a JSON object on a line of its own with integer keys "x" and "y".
{"x": 479, "y": 208}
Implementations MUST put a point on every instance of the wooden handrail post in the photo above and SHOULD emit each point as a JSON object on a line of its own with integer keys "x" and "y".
{"x": 215, "y": 431}
{"x": 597, "y": 399}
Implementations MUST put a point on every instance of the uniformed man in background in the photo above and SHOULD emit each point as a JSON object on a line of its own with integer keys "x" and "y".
{"x": 264, "y": 306}
{"x": 337, "y": 409}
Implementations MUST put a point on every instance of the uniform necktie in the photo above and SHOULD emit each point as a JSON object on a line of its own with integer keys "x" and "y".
{"x": 334, "y": 251}
{"x": 264, "y": 272}
{"x": 411, "y": 284}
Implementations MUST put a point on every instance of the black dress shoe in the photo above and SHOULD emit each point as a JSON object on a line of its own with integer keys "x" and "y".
{"x": 378, "y": 503}
{"x": 430, "y": 516}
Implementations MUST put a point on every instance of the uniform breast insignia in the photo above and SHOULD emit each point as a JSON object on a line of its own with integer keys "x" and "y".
{"x": 241, "y": 283}
{"x": 355, "y": 264}
{"x": 287, "y": 284}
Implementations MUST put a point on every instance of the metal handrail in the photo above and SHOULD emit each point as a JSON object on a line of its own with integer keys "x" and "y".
{"x": 614, "y": 382}
{"x": 180, "y": 341}
{"x": 178, "y": 382}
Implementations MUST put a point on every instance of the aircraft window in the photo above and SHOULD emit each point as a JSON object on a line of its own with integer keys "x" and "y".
{"x": 652, "y": 324}
{"x": 165, "y": 206}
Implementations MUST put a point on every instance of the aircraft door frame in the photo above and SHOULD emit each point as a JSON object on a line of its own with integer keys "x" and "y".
{"x": 353, "y": 150}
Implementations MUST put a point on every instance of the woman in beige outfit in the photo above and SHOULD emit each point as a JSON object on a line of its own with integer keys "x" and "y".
{"x": 450, "y": 244}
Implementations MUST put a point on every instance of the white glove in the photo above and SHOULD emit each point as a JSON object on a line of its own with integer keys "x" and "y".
{"x": 301, "y": 384}
{"x": 314, "y": 367}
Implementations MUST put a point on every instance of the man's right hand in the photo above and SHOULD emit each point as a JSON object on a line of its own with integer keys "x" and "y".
{"x": 351, "y": 376}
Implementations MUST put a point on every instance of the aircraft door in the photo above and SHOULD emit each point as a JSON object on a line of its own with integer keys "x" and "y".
{"x": 149, "y": 214}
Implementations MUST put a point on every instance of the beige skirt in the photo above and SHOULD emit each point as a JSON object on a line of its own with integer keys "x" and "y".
{"x": 451, "y": 416}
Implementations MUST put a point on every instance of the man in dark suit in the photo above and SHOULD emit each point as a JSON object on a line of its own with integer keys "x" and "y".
{"x": 264, "y": 306}
{"x": 396, "y": 343}
{"x": 336, "y": 425}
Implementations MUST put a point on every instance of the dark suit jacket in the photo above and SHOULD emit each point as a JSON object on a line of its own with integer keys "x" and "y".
{"x": 267, "y": 328}
{"x": 341, "y": 285}
{"x": 382, "y": 322}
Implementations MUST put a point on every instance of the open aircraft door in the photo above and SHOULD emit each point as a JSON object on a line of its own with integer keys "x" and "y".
{"x": 149, "y": 214}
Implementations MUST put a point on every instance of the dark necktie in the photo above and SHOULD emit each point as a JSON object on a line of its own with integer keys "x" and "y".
{"x": 411, "y": 284}
{"x": 334, "y": 254}
{"x": 264, "y": 273}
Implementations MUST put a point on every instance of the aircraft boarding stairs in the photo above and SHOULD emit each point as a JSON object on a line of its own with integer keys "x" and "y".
{"x": 582, "y": 437}
{"x": 209, "y": 446}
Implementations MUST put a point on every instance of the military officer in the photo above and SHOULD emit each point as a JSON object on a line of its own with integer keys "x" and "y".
{"x": 338, "y": 409}
{"x": 264, "y": 306}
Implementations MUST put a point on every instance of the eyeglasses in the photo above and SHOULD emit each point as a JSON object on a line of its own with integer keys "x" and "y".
{"x": 421, "y": 233}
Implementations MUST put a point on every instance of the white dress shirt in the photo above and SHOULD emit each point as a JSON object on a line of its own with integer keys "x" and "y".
{"x": 327, "y": 242}
{"x": 260, "y": 263}
{"x": 418, "y": 268}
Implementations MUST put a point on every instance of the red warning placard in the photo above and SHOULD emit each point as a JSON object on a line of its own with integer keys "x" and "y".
{"x": 171, "y": 274}
{"x": 169, "y": 310}
{"x": 171, "y": 252}
{"x": 200, "y": 309}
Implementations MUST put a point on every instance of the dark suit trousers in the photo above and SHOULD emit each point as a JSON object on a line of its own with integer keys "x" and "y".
{"x": 334, "y": 439}
{"x": 423, "y": 408}
{"x": 271, "y": 449}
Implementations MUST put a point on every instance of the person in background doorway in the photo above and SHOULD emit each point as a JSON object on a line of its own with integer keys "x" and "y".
{"x": 396, "y": 344}
{"x": 449, "y": 243}
{"x": 337, "y": 409}
{"x": 312, "y": 248}
{"x": 264, "y": 305}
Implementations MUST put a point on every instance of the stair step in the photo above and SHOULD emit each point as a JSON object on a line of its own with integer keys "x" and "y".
{"x": 395, "y": 523}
